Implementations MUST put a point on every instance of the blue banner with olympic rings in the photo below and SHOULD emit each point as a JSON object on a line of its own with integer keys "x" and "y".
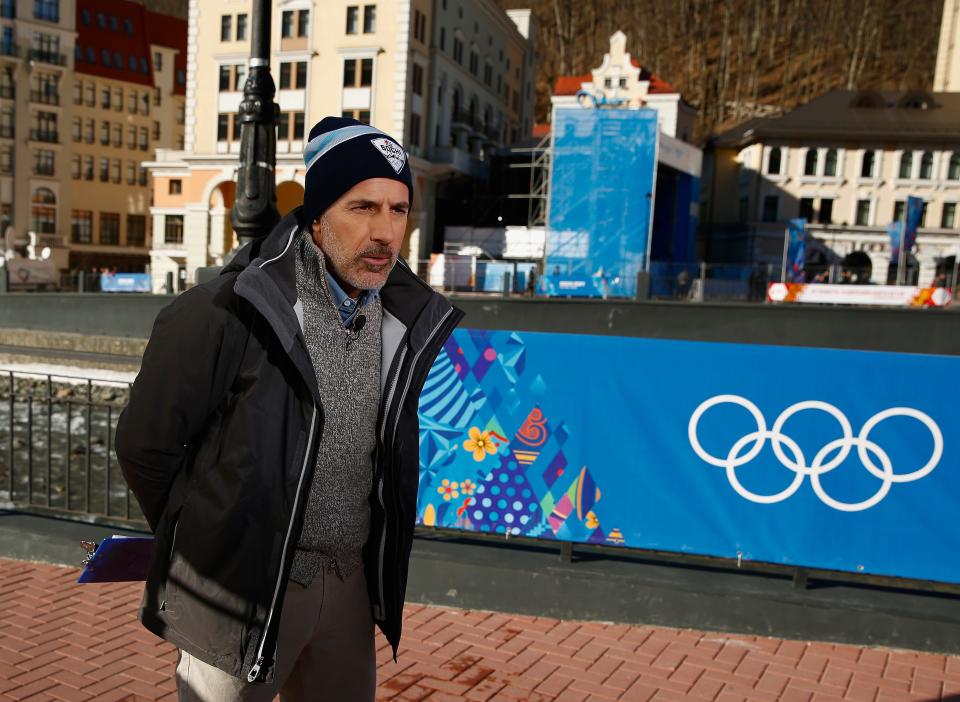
{"x": 700, "y": 448}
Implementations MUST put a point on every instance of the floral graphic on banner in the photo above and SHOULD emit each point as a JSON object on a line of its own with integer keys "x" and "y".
{"x": 491, "y": 459}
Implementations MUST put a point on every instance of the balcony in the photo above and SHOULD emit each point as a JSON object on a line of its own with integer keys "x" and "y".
{"x": 45, "y": 135}
{"x": 45, "y": 56}
{"x": 9, "y": 49}
{"x": 459, "y": 160}
{"x": 44, "y": 169}
{"x": 44, "y": 97}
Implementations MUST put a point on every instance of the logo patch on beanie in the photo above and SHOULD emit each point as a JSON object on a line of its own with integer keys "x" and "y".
{"x": 389, "y": 150}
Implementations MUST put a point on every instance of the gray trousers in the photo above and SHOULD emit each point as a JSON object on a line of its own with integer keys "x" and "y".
{"x": 326, "y": 651}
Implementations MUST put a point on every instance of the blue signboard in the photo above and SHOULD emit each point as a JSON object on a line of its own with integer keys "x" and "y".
{"x": 601, "y": 195}
{"x": 589, "y": 439}
{"x": 125, "y": 282}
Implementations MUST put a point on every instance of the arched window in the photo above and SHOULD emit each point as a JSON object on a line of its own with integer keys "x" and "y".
{"x": 906, "y": 165}
{"x": 43, "y": 216}
{"x": 830, "y": 163}
{"x": 810, "y": 163}
{"x": 926, "y": 166}
{"x": 773, "y": 161}
{"x": 455, "y": 105}
{"x": 953, "y": 168}
{"x": 868, "y": 164}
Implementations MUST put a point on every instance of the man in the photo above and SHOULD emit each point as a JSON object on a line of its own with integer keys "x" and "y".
{"x": 271, "y": 439}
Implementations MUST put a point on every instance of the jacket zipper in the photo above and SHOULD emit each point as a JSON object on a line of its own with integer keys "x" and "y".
{"x": 380, "y": 614}
{"x": 173, "y": 544}
{"x": 255, "y": 670}
{"x": 393, "y": 438}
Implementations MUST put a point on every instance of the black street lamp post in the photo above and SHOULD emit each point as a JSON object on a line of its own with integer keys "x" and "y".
{"x": 254, "y": 212}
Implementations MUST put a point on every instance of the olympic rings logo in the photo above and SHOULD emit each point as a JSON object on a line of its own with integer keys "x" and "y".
{"x": 747, "y": 447}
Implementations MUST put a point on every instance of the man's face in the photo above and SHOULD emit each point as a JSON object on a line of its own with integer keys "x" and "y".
{"x": 360, "y": 234}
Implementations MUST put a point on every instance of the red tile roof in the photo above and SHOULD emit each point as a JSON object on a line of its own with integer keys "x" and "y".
{"x": 569, "y": 85}
{"x": 124, "y": 30}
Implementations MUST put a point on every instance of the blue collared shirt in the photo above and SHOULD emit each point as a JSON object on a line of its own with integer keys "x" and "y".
{"x": 347, "y": 306}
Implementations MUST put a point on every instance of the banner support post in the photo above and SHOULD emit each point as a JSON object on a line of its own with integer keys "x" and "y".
{"x": 786, "y": 243}
{"x": 901, "y": 259}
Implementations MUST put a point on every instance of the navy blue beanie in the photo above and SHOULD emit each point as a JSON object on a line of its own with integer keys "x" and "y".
{"x": 342, "y": 152}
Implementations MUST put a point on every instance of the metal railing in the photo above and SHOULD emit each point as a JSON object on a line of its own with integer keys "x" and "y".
{"x": 46, "y": 135}
{"x": 47, "y": 56}
{"x": 56, "y": 432}
{"x": 44, "y": 97}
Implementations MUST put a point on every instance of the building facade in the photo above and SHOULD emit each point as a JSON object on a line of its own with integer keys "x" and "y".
{"x": 847, "y": 163}
{"x": 88, "y": 90}
{"x": 449, "y": 79}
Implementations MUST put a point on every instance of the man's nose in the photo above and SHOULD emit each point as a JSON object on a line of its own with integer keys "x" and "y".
{"x": 388, "y": 228}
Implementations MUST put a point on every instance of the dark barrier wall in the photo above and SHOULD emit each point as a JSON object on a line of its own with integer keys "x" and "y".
{"x": 908, "y": 331}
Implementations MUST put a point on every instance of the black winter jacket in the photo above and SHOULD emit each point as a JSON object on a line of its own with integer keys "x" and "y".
{"x": 218, "y": 444}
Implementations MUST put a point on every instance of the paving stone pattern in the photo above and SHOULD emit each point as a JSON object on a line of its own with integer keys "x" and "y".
{"x": 73, "y": 643}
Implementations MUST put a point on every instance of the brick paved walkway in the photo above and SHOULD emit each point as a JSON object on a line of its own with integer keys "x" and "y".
{"x": 62, "y": 641}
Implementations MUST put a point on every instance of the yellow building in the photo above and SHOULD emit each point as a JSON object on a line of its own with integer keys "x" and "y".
{"x": 451, "y": 79}
{"x": 88, "y": 90}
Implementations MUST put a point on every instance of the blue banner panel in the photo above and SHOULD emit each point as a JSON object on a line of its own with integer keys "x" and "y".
{"x": 701, "y": 448}
{"x": 125, "y": 282}
{"x": 601, "y": 195}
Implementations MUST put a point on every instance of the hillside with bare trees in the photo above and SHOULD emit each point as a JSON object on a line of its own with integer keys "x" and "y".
{"x": 734, "y": 59}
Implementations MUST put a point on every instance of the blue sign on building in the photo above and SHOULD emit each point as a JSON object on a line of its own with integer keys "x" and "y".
{"x": 601, "y": 200}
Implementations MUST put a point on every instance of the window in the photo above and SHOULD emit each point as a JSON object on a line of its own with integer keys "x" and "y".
{"x": 105, "y": 98}
{"x": 369, "y": 19}
{"x": 157, "y": 96}
{"x": 145, "y": 103}
{"x": 110, "y": 228}
{"x": 77, "y": 129}
{"x": 118, "y": 135}
{"x": 104, "y": 169}
{"x": 88, "y": 167}
{"x": 830, "y": 163}
{"x": 417, "y": 79}
{"x": 157, "y": 61}
{"x": 91, "y": 55}
{"x": 81, "y": 226}
{"x": 223, "y": 125}
{"x": 810, "y": 163}
{"x": 926, "y": 166}
{"x": 458, "y": 50}
{"x": 75, "y": 167}
{"x": 948, "y": 220}
{"x": 118, "y": 99}
{"x": 359, "y": 115}
{"x": 286, "y": 24}
{"x": 863, "y": 213}
{"x": 806, "y": 208}
{"x": 136, "y": 230}
{"x": 237, "y": 128}
{"x": 868, "y": 164}
{"x": 144, "y": 139}
{"x": 825, "y": 215}
{"x": 91, "y": 94}
{"x": 488, "y": 74}
{"x": 906, "y": 165}
{"x": 283, "y": 127}
{"x": 143, "y": 175}
{"x": 303, "y": 22}
{"x": 132, "y": 102}
{"x": 242, "y": 27}
{"x": 771, "y": 206}
{"x": 226, "y": 27}
{"x": 48, "y": 10}
{"x": 293, "y": 75}
{"x": 298, "y": 125}
{"x": 353, "y": 19}
{"x": 443, "y": 39}
{"x": 77, "y": 92}
{"x": 474, "y": 62}
{"x": 128, "y": 27}
{"x": 420, "y": 27}
{"x": 43, "y": 214}
{"x": 294, "y": 23}
{"x": 105, "y": 133}
{"x": 898, "y": 208}
{"x": 43, "y": 162}
{"x": 113, "y": 24}
{"x": 131, "y": 137}
{"x": 414, "y": 129}
{"x": 354, "y": 79}
{"x": 173, "y": 229}
{"x": 175, "y": 186}
{"x": 156, "y": 130}
{"x": 225, "y": 77}
{"x": 84, "y": 14}
{"x": 88, "y": 129}
{"x": 773, "y": 161}
{"x": 131, "y": 172}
